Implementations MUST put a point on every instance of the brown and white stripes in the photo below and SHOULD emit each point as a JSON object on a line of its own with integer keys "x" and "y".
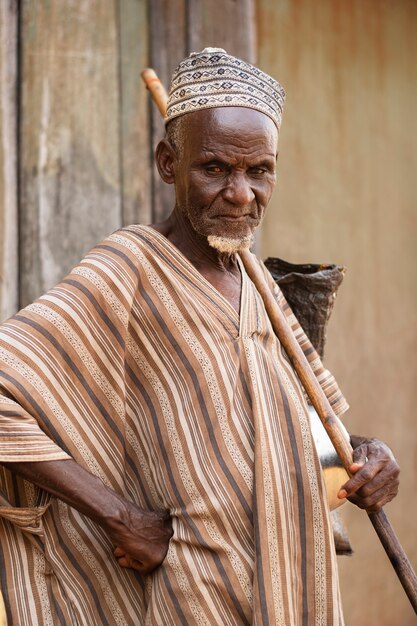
{"x": 136, "y": 367}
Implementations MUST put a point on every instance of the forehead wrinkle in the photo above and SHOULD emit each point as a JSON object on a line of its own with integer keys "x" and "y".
{"x": 217, "y": 133}
{"x": 223, "y": 154}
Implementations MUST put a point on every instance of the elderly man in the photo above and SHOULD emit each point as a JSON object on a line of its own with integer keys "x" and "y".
{"x": 158, "y": 463}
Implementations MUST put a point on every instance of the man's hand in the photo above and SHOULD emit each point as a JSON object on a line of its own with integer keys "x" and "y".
{"x": 375, "y": 475}
{"x": 142, "y": 539}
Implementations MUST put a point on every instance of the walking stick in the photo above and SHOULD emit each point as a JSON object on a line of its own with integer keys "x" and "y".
{"x": 315, "y": 393}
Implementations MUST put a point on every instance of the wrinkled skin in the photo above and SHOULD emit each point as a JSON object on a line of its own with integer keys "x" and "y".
{"x": 142, "y": 543}
{"x": 375, "y": 472}
{"x": 226, "y": 170}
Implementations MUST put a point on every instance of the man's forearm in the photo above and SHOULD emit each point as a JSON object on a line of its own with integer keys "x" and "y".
{"x": 70, "y": 482}
{"x": 141, "y": 537}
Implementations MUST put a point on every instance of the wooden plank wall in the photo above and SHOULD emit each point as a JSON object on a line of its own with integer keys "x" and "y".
{"x": 81, "y": 115}
{"x": 83, "y": 161}
{"x": 135, "y": 152}
{"x": 8, "y": 159}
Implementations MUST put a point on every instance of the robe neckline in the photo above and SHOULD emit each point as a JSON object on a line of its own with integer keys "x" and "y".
{"x": 240, "y": 319}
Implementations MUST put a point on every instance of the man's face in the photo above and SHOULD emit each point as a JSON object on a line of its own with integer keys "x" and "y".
{"x": 225, "y": 170}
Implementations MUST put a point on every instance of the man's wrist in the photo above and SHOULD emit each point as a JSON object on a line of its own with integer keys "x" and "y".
{"x": 111, "y": 511}
{"x": 358, "y": 440}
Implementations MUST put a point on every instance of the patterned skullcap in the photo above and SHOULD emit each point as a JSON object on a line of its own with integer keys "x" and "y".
{"x": 212, "y": 78}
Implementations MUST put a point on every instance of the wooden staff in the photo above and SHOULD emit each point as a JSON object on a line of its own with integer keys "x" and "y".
{"x": 158, "y": 93}
{"x": 315, "y": 393}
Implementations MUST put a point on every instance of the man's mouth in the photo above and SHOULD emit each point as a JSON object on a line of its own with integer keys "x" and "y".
{"x": 231, "y": 217}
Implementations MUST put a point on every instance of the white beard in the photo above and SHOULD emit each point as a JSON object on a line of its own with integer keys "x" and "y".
{"x": 229, "y": 245}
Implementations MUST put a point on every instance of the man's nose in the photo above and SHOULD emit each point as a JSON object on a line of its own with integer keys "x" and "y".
{"x": 238, "y": 190}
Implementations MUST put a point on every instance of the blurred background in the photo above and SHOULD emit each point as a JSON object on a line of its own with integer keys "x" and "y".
{"x": 77, "y": 135}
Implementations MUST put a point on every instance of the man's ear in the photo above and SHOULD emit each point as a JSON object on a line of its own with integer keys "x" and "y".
{"x": 164, "y": 158}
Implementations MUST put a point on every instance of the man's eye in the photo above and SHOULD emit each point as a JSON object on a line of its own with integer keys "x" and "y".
{"x": 258, "y": 171}
{"x": 214, "y": 169}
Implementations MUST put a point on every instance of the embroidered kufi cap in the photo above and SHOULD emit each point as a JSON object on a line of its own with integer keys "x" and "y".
{"x": 213, "y": 78}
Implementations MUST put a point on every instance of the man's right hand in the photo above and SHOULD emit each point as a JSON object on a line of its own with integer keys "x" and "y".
{"x": 140, "y": 537}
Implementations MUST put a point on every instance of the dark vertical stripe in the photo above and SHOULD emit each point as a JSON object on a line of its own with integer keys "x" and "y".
{"x": 182, "y": 619}
{"x": 300, "y": 498}
{"x": 57, "y": 610}
{"x": 259, "y": 564}
{"x": 4, "y": 589}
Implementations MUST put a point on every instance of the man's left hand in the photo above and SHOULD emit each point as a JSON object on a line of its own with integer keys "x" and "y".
{"x": 375, "y": 475}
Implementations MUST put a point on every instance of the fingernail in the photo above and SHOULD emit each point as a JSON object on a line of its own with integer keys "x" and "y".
{"x": 342, "y": 494}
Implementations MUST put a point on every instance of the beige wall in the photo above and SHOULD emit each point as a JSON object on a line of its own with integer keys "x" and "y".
{"x": 346, "y": 194}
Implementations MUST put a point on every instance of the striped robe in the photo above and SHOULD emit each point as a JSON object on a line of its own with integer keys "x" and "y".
{"x": 140, "y": 370}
